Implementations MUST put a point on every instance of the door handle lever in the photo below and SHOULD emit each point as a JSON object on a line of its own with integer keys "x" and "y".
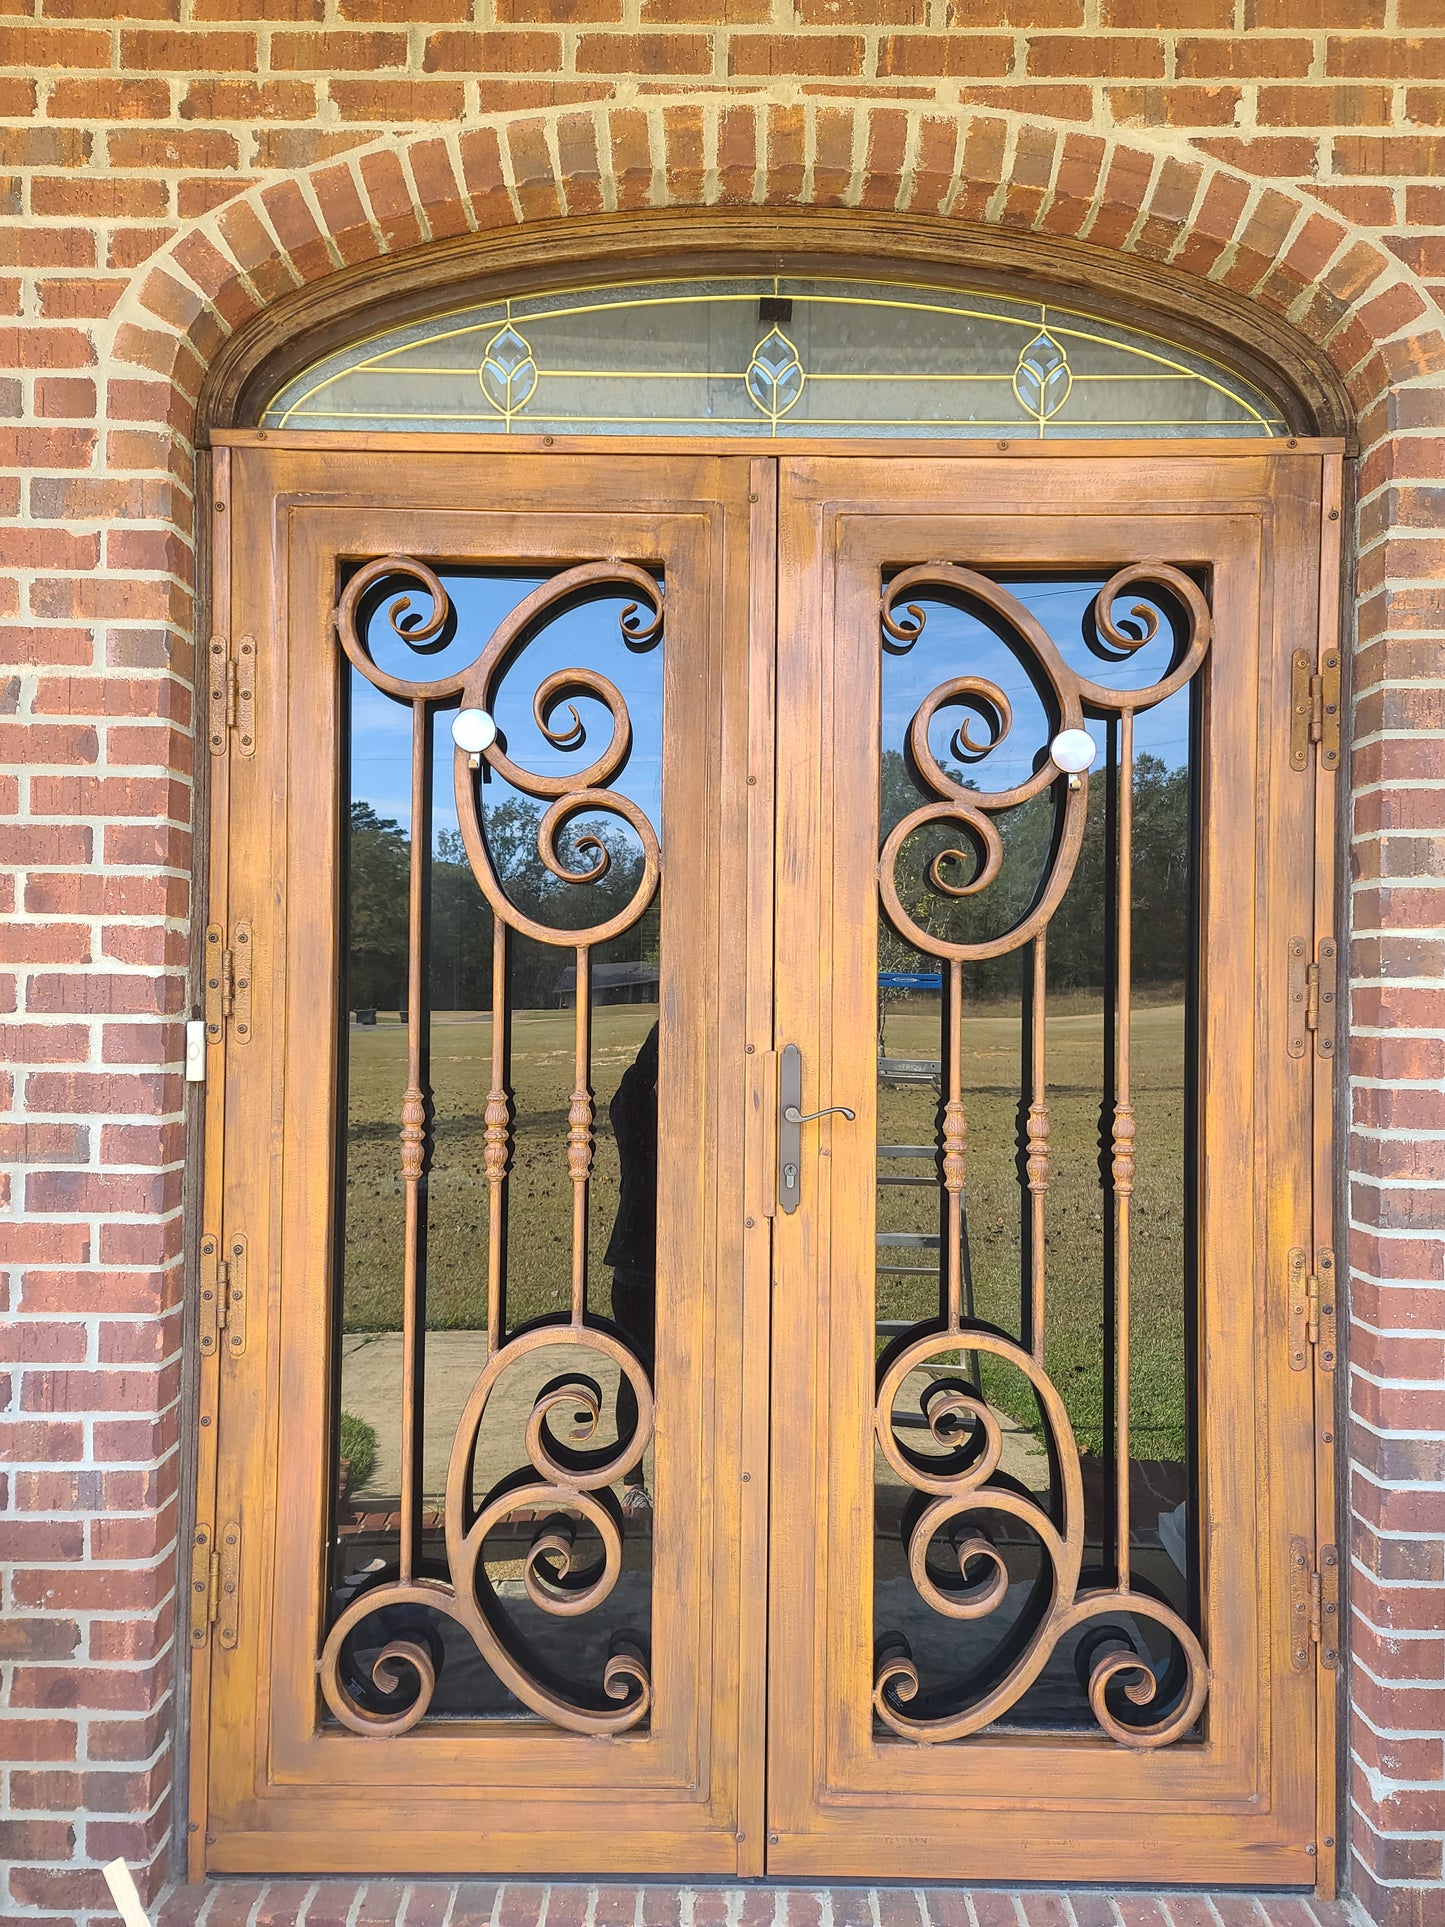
{"x": 790, "y": 1116}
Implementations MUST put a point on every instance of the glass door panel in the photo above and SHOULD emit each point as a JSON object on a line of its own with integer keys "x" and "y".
{"x": 997, "y": 1219}
{"x": 524, "y": 915}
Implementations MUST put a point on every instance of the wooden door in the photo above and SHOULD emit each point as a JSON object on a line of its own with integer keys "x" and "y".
{"x": 504, "y": 1659}
{"x": 1039, "y": 1612}
{"x": 791, "y": 1544}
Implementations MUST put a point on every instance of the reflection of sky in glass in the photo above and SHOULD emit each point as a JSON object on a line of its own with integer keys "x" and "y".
{"x": 956, "y": 642}
{"x": 585, "y": 635}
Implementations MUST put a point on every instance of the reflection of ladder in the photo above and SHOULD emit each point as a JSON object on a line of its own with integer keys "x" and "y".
{"x": 896, "y": 1072}
{"x": 912, "y": 1071}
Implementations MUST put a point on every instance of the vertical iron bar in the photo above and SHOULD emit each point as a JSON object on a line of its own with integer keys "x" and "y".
{"x": 498, "y": 1137}
{"x": 1038, "y": 1150}
{"x": 1193, "y": 1138}
{"x": 413, "y": 1141}
{"x": 1122, "y": 1167}
{"x": 579, "y": 1134}
{"x": 1109, "y": 1408}
{"x": 955, "y": 1131}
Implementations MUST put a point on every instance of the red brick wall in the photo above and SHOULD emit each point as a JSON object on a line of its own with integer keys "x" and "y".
{"x": 167, "y": 167}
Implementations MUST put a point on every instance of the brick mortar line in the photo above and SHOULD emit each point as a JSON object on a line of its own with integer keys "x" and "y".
{"x": 1400, "y": 1382}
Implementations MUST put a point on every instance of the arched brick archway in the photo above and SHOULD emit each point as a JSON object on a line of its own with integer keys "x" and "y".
{"x": 1292, "y": 256}
{"x": 1156, "y": 201}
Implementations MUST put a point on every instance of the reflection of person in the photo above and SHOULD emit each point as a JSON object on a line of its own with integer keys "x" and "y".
{"x": 632, "y": 1248}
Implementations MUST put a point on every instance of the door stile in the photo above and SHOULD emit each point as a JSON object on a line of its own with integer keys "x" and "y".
{"x": 1326, "y": 1374}
{"x": 804, "y": 853}
{"x": 752, "y": 809}
{"x": 213, "y": 1109}
{"x": 1283, "y": 1173}
{"x": 262, "y": 797}
{"x": 244, "y": 1111}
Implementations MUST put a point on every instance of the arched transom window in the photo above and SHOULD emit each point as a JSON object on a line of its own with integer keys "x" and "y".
{"x": 780, "y": 356}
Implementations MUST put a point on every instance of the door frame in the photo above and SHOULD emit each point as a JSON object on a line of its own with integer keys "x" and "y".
{"x": 764, "y": 455}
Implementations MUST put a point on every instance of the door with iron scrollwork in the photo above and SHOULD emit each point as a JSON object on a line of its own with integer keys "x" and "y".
{"x": 490, "y": 1571}
{"x": 1045, "y": 1456}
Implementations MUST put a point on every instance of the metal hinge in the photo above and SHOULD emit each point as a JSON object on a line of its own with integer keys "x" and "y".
{"x": 223, "y": 1295}
{"x": 216, "y": 1586}
{"x": 1312, "y": 1309}
{"x": 1315, "y": 709}
{"x": 205, "y": 1585}
{"x": 232, "y": 703}
{"x": 1313, "y": 988}
{"x": 1314, "y": 1605}
{"x": 228, "y": 983}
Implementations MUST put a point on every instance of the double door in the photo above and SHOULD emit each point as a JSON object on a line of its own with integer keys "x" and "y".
{"x": 767, "y": 1165}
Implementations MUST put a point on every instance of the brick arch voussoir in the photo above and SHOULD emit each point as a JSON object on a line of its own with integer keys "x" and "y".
{"x": 1269, "y": 243}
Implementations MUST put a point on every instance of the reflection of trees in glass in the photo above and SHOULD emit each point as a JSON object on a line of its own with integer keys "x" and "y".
{"x": 376, "y": 960}
{"x": 460, "y": 929}
{"x": 1077, "y": 929}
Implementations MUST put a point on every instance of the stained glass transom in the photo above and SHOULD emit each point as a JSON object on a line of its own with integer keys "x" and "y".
{"x": 781, "y": 357}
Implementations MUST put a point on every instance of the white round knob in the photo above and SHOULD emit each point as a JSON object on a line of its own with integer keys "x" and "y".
{"x": 473, "y": 731}
{"x": 1074, "y": 750}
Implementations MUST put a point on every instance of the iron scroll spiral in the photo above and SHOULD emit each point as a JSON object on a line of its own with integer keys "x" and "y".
{"x": 566, "y": 1479}
{"x": 973, "y": 810}
{"x": 955, "y": 1486}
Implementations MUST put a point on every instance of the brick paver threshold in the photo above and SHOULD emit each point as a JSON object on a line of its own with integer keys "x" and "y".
{"x": 475, "y": 1903}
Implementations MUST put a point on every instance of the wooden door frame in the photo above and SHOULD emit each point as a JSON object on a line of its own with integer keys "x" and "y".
{"x": 763, "y": 453}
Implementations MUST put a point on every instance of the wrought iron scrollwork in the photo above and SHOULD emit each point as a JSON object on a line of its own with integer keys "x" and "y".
{"x": 958, "y": 1484}
{"x": 564, "y": 1486}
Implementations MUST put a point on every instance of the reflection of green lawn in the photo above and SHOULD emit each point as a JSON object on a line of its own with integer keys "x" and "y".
{"x": 540, "y": 1233}
{"x": 541, "y": 1209}
{"x": 1074, "y": 1314}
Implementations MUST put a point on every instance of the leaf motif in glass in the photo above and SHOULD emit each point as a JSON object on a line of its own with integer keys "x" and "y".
{"x": 881, "y": 360}
{"x": 508, "y": 373}
{"x": 1043, "y": 378}
{"x": 775, "y": 375}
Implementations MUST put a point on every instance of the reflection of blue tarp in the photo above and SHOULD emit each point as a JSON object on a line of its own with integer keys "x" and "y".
{"x": 910, "y": 980}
